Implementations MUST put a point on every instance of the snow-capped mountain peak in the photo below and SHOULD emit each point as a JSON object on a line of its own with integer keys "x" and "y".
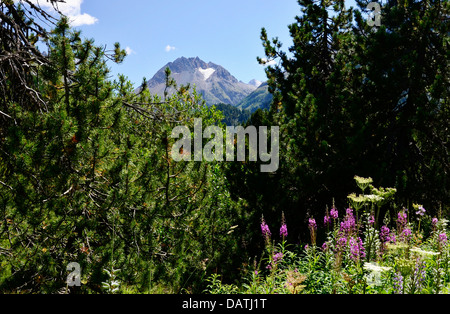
{"x": 255, "y": 83}
{"x": 213, "y": 81}
{"x": 207, "y": 72}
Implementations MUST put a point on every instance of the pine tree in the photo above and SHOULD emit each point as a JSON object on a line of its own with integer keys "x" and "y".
{"x": 352, "y": 99}
{"x": 52, "y": 158}
{"x": 405, "y": 69}
{"x": 312, "y": 88}
{"x": 90, "y": 180}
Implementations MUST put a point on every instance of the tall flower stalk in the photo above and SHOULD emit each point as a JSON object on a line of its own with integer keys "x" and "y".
{"x": 283, "y": 229}
{"x": 417, "y": 278}
{"x": 265, "y": 230}
{"x": 385, "y": 238}
{"x": 312, "y": 225}
{"x": 420, "y": 212}
{"x": 398, "y": 283}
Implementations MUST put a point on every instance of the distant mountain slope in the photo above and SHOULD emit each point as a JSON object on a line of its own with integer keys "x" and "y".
{"x": 214, "y": 82}
{"x": 260, "y": 98}
{"x": 232, "y": 115}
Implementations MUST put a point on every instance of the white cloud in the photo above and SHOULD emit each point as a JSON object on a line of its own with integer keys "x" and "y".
{"x": 71, "y": 9}
{"x": 269, "y": 63}
{"x": 82, "y": 19}
{"x": 129, "y": 51}
{"x": 169, "y": 48}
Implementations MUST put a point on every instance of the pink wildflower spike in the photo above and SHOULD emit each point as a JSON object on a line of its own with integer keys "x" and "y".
{"x": 334, "y": 213}
{"x": 265, "y": 229}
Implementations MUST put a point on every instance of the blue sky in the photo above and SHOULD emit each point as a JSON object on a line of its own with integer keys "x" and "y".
{"x": 158, "y": 32}
{"x": 225, "y": 32}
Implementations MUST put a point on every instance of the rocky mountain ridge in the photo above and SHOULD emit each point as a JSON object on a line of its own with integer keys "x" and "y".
{"x": 214, "y": 82}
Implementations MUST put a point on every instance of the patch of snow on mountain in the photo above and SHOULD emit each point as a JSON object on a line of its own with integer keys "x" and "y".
{"x": 207, "y": 72}
{"x": 255, "y": 83}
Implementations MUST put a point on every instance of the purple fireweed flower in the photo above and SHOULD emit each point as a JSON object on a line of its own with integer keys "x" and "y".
{"x": 312, "y": 229}
{"x": 265, "y": 229}
{"x": 371, "y": 220}
{"x": 353, "y": 249}
{"x": 384, "y": 237}
{"x": 406, "y": 235}
{"x": 434, "y": 222}
{"x": 341, "y": 243}
{"x": 349, "y": 223}
{"x": 277, "y": 257}
{"x": 326, "y": 220}
{"x": 357, "y": 251}
{"x": 324, "y": 246}
{"x": 312, "y": 224}
{"x": 402, "y": 219}
{"x": 362, "y": 250}
{"x": 334, "y": 213}
{"x": 393, "y": 238}
{"x": 283, "y": 231}
{"x": 349, "y": 212}
{"x": 443, "y": 239}
{"x": 384, "y": 234}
